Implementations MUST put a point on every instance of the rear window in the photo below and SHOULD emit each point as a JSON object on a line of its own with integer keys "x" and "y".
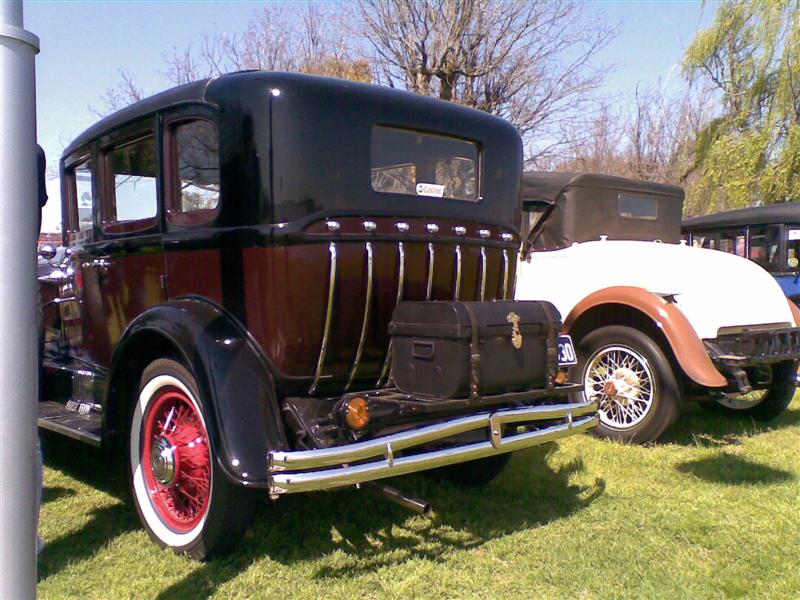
{"x": 423, "y": 164}
{"x": 636, "y": 207}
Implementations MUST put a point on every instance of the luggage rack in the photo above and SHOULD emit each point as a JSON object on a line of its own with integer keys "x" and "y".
{"x": 309, "y": 470}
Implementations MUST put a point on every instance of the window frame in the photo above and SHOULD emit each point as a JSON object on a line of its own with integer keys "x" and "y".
{"x": 71, "y": 232}
{"x": 479, "y": 166}
{"x": 626, "y": 196}
{"x": 172, "y": 193}
{"x": 107, "y": 202}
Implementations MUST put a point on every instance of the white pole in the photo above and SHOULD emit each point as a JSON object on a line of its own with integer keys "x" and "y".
{"x": 18, "y": 314}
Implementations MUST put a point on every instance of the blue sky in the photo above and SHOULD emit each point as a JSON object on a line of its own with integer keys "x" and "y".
{"x": 84, "y": 44}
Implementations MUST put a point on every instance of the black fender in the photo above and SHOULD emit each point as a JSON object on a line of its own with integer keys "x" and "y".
{"x": 233, "y": 376}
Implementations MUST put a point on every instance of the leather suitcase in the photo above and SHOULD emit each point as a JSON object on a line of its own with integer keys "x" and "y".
{"x": 472, "y": 349}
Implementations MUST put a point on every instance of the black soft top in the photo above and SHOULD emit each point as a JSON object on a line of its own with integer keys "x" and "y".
{"x": 783, "y": 212}
{"x": 584, "y": 206}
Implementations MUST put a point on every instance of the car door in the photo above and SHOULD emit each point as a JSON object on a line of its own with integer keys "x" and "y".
{"x": 123, "y": 271}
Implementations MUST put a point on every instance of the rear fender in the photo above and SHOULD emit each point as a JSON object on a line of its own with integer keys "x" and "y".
{"x": 235, "y": 382}
{"x": 687, "y": 347}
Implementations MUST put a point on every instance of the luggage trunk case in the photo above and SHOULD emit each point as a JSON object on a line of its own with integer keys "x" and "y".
{"x": 434, "y": 354}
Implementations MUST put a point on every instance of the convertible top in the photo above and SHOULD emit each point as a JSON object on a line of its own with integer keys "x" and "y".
{"x": 783, "y": 212}
{"x": 584, "y": 206}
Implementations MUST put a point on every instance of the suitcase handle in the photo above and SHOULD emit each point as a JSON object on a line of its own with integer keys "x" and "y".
{"x": 423, "y": 349}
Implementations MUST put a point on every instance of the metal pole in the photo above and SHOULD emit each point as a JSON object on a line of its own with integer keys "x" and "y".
{"x": 18, "y": 315}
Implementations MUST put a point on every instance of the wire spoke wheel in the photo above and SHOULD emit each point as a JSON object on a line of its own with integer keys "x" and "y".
{"x": 176, "y": 460}
{"x": 743, "y": 401}
{"x": 621, "y": 381}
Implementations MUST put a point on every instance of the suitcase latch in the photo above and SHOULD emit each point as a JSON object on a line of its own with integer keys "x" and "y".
{"x": 516, "y": 336}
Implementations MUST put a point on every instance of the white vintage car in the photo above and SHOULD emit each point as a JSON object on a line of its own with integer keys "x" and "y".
{"x": 655, "y": 322}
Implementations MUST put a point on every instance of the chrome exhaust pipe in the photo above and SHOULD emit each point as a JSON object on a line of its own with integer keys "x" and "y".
{"x": 417, "y": 505}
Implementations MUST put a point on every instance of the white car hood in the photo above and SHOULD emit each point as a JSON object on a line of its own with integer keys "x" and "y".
{"x": 712, "y": 288}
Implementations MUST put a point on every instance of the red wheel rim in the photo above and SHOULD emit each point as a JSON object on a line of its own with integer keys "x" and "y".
{"x": 176, "y": 460}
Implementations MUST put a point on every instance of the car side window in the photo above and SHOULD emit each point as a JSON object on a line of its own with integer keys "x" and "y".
{"x": 194, "y": 172}
{"x": 133, "y": 201}
{"x": 81, "y": 199}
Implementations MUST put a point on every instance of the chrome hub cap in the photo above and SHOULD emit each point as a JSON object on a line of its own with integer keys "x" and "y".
{"x": 163, "y": 461}
{"x": 621, "y": 382}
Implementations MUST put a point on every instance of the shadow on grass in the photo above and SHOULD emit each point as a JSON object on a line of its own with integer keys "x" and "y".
{"x": 103, "y": 525}
{"x": 85, "y": 463}
{"x": 699, "y": 427}
{"x": 52, "y": 493}
{"x": 371, "y": 533}
{"x": 732, "y": 470}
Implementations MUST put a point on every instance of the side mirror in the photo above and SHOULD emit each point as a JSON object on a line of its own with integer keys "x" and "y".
{"x": 47, "y": 251}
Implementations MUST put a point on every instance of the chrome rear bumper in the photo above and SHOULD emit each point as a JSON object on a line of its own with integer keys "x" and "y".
{"x": 309, "y": 470}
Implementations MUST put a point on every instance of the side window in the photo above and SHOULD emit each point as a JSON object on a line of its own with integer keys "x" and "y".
{"x": 133, "y": 201}
{"x": 732, "y": 242}
{"x": 764, "y": 246}
{"x": 81, "y": 198}
{"x": 194, "y": 172}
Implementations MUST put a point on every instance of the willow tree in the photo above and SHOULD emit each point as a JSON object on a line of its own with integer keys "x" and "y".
{"x": 750, "y": 154}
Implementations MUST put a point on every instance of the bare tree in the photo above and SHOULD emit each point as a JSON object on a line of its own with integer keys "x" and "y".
{"x": 307, "y": 38}
{"x": 655, "y": 141}
{"x": 528, "y": 62}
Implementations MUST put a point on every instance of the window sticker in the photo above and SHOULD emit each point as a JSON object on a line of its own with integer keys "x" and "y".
{"x": 793, "y": 235}
{"x": 430, "y": 189}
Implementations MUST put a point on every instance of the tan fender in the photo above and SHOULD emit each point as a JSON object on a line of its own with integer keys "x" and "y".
{"x": 687, "y": 347}
{"x": 795, "y": 312}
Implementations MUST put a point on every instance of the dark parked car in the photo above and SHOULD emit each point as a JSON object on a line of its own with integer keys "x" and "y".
{"x": 768, "y": 235}
{"x": 238, "y": 248}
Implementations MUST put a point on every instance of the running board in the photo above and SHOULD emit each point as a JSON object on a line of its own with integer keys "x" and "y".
{"x": 56, "y": 417}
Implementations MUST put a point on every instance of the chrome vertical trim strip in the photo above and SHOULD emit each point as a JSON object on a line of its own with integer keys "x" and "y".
{"x": 457, "y": 289}
{"x": 328, "y": 313}
{"x": 365, "y": 321}
{"x": 505, "y": 274}
{"x": 401, "y": 274}
{"x": 430, "y": 272}
{"x": 483, "y": 273}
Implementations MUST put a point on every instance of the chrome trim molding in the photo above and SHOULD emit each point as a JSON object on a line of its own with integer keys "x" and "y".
{"x": 505, "y": 274}
{"x": 483, "y": 273}
{"x": 365, "y": 321}
{"x": 401, "y": 273}
{"x": 328, "y": 313}
{"x": 331, "y": 467}
{"x": 431, "y": 255}
{"x": 457, "y": 287}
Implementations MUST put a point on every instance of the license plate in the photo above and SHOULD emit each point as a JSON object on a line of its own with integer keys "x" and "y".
{"x": 566, "y": 351}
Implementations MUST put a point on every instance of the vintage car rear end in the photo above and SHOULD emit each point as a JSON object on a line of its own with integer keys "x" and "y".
{"x": 654, "y": 320}
{"x": 245, "y": 336}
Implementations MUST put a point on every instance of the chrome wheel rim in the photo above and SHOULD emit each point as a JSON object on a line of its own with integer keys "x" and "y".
{"x": 621, "y": 381}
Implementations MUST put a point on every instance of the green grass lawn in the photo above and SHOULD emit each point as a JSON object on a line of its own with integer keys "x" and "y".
{"x": 713, "y": 511}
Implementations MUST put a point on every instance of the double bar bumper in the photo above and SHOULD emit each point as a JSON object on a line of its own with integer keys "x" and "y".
{"x": 309, "y": 470}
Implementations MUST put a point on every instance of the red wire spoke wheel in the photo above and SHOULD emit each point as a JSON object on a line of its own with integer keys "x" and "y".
{"x": 176, "y": 460}
{"x": 184, "y": 500}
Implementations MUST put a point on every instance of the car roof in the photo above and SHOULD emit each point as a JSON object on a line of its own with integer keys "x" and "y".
{"x": 537, "y": 185}
{"x": 210, "y": 90}
{"x": 782, "y": 212}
